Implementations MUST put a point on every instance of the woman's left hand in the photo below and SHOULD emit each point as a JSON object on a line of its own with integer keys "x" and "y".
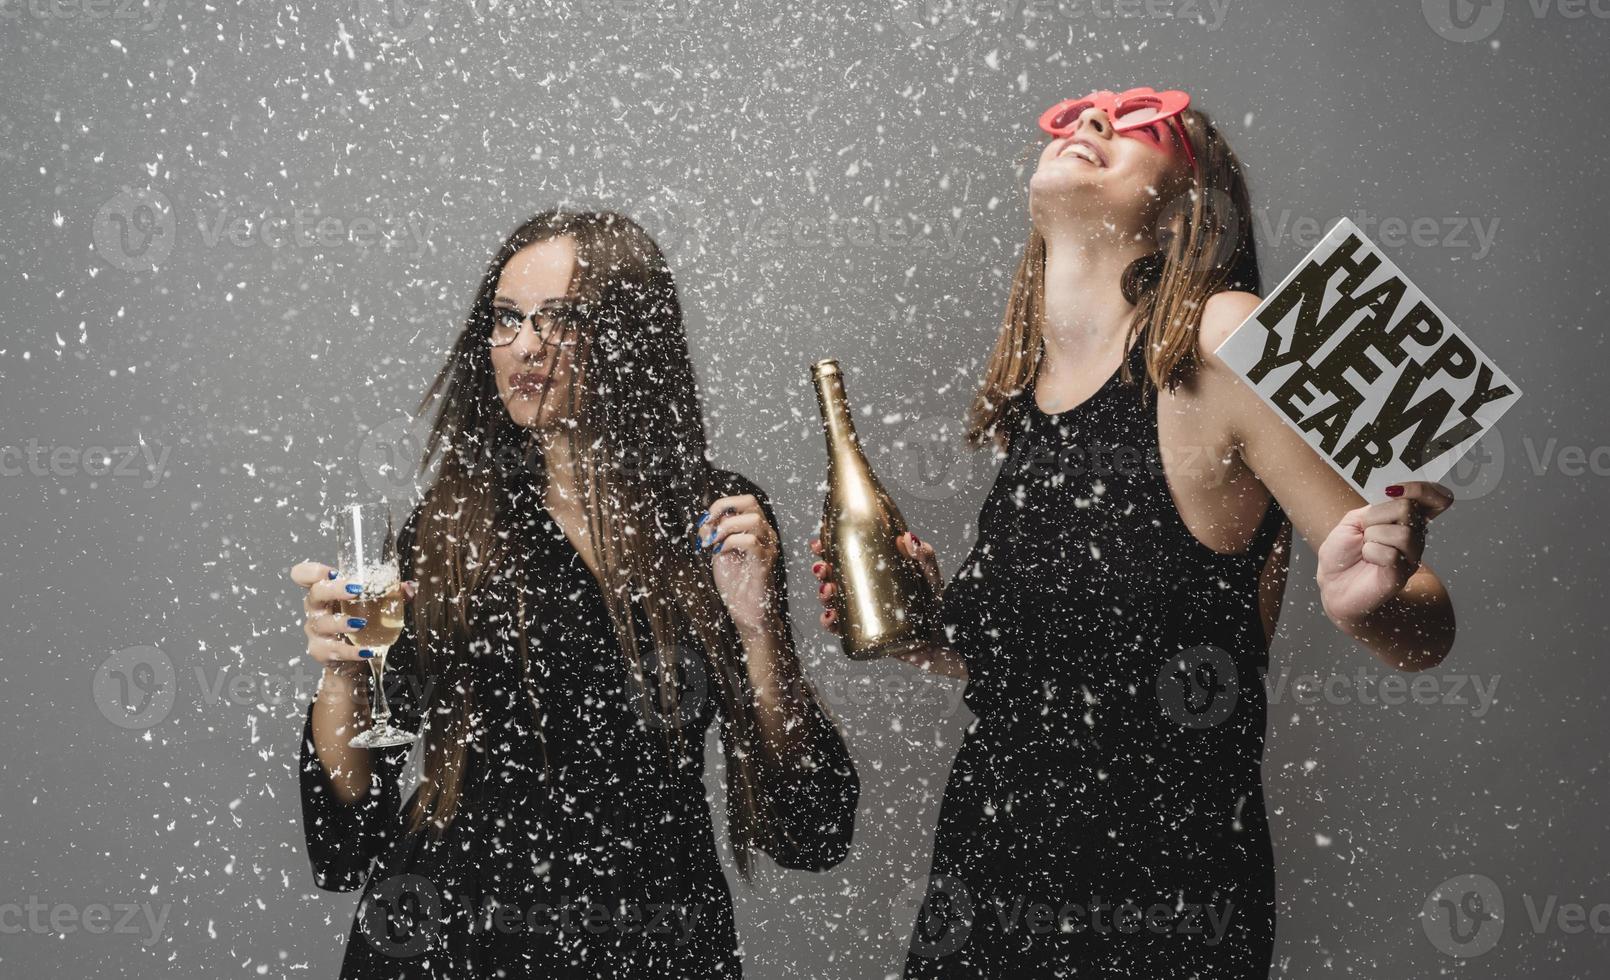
{"x": 743, "y": 547}
{"x": 1375, "y": 549}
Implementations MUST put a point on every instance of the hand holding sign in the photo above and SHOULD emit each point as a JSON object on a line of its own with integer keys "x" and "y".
{"x": 1375, "y": 549}
{"x": 1385, "y": 388}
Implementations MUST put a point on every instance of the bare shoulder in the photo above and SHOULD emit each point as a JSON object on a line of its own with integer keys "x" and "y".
{"x": 1221, "y": 315}
{"x": 1226, "y": 396}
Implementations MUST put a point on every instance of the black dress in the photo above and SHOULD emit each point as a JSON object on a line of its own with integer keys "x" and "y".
{"x": 605, "y": 868}
{"x": 1104, "y": 816}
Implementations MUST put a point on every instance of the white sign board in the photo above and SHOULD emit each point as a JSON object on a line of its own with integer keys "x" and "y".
{"x": 1367, "y": 370}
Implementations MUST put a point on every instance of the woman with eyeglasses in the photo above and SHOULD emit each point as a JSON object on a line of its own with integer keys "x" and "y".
{"x": 590, "y": 595}
{"x": 1105, "y": 813}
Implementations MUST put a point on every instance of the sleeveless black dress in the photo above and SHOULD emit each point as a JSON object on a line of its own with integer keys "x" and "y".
{"x": 601, "y": 863}
{"x": 1105, "y": 815}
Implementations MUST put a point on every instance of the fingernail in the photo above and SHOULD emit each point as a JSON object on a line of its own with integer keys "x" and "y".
{"x": 332, "y": 574}
{"x": 356, "y": 623}
{"x": 915, "y": 541}
{"x": 718, "y": 548}
{"x": 816, "y": 569}
{"x": 354, "y": 588}
{"x": 821, "y": 589}
{"x": 706, "y": 517}
{"x": 1395, "y": 490}
{"x": 366, "y": 654}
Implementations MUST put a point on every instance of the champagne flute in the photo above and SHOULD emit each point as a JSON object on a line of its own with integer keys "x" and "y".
{"x": 367, "y": 555}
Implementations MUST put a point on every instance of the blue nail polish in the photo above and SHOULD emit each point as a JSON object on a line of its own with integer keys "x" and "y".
{"x": 366, "y": 654}
{"x": 356, "y": 623}
{"x": 706, "y": 517}
{"x": 354, "y": 588}
{"x": 332, "y": 574}
{"x": 718, "y": 548}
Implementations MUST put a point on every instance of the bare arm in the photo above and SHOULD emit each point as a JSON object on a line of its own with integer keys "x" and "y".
{"x": 1374, "y": 586}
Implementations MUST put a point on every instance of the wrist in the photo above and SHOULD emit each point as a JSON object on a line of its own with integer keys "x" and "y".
{"x": 762, "y": 625}
{"x": 340, "y": 677}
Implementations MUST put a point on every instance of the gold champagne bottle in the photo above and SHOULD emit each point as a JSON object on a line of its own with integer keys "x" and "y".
{"x": 884, "y": 603}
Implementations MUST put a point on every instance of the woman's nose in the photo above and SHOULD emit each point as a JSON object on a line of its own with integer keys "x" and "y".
{"x": 527, "y": 345}
{"x": 1096, "y": 118}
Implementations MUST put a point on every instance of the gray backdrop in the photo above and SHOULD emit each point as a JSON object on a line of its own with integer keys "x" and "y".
{"x": 238, "y": 236}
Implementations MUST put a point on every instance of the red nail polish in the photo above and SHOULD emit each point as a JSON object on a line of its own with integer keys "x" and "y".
{"x": 816, "y": 569}
{"x": 915, "y": 541}
{"x": 1395, "y": 490}
{"x": 821, "y": 589}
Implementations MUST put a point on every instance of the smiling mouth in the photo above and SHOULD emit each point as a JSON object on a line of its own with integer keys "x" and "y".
{"x": 1083, "y": 151}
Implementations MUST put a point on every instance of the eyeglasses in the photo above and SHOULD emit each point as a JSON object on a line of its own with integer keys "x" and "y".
{"x": 554, "y": 323}
{"x": 1135, "y": 109}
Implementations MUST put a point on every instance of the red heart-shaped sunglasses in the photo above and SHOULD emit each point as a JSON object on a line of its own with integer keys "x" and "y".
{"x": 1135, "y": 109}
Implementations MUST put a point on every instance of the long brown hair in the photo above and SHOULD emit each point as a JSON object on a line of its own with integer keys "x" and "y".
{"x": 639, "y": 451}
{"x": 1205, "y": 245}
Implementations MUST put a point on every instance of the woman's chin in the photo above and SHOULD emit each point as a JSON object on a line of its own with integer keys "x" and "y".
{"x": 524, "y": 412}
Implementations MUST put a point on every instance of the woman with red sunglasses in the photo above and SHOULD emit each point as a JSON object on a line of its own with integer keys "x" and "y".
{"x": 1105, "y": 814}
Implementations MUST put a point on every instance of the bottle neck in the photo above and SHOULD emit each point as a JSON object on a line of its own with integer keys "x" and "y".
{"x": 843, "y": 448}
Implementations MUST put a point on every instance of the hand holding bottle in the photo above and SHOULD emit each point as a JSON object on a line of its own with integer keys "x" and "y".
{"x": 930, "y": 657}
